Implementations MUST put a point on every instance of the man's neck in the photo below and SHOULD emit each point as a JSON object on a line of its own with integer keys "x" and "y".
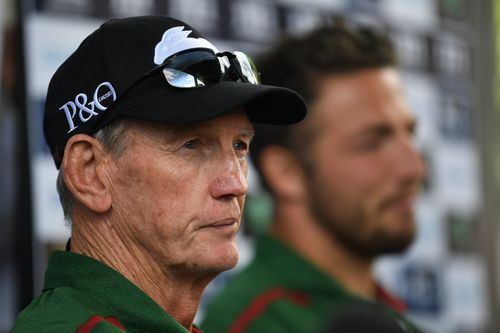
{"x": 309, "y": 239}
{"x": 176, "y": 293}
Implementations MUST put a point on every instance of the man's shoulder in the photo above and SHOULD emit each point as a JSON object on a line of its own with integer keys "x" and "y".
{"x": 252, "y": 301}
{"x": 66, "y": 310}
{"x": 271, "y": 309}
{"x": 259, "y": 299}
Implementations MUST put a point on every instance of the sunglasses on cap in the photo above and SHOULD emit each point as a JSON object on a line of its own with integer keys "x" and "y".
{"x": 202, "y": 67}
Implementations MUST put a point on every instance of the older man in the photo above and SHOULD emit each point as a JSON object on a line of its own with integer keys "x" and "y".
{"x": 150, "y": 126}
{"x": 344, "y": 183}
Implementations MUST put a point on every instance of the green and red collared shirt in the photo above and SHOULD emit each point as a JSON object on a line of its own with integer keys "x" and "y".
{"x": 83, "y": 295}
{"x": 281, "y": 292}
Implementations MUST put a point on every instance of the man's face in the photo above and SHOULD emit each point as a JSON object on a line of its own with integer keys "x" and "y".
{"x": 179, "y": 191}
{"x": 364, "y": 169}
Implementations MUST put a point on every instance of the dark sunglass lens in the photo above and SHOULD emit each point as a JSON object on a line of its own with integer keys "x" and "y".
{"x": 201, "y": 67}
{"x": 207, "y": 70}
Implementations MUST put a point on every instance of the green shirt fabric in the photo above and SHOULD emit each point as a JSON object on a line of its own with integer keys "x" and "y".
{"x": 280, "y": 292}
{"x": 83, "y": 295}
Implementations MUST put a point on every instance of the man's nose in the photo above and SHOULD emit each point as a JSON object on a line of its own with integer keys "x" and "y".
{"x": 411, "y": 163}
{"x": 230, "y": 179}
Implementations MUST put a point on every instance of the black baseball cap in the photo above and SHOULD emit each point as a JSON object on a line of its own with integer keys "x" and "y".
{"x": 109, "y": 76}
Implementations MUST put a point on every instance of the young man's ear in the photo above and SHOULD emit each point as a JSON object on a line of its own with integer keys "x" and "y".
{"x": 83, "y": 156}
{"x": 283, "y": 173}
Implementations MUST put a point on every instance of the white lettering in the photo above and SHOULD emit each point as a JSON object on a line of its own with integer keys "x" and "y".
{"x": 103, "y": 97}
{"x": 69, "y": 114}
{"x": 86, "y": 109}
{"x": 98, "y": 100}
{"x": 81, "y": 101}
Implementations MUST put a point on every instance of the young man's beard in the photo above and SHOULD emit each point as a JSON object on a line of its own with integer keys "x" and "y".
{"x": 351, "y": 227}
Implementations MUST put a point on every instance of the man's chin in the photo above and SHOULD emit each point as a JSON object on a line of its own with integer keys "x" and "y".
{"x": 222, "y": 262}
{"x": 387, "y": 243}
{"x": 396, "y": 243}
{"x": 396, "y": 246}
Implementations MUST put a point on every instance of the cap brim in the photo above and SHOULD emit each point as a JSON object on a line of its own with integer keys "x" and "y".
{"x": 155, "y": 101}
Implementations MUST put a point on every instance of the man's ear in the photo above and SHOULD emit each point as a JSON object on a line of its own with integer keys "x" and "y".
{"x": 283, "y": 172}
{"x": 83, "y": 160}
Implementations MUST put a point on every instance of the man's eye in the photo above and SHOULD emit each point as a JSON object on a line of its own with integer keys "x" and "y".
{"x": 372, "y": 144}
{"x": 191, "y": 144}
{"x": 240, "y": 145}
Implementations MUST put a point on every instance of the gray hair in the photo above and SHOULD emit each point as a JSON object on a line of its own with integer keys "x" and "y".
{"x": 111, "y": 137}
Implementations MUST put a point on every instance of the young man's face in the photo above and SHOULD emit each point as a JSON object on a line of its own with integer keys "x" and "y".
{"x": 179, "y": 191}
{"x": 365, "y": 170}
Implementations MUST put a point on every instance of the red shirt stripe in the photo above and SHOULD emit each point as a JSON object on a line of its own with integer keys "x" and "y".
{"x": 260, "y": 304}
{"x": 89, "y": 325}
{"x": 390, "y": 300}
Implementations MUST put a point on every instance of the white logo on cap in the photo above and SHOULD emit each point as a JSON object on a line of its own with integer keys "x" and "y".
{"x": 175, "y": 40}
{"x": 87, "y": 110}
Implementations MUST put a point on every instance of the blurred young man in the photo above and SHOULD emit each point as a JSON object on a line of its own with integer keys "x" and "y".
{"x": 344, "y": 183}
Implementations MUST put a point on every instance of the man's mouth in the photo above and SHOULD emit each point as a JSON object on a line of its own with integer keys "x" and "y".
{"x": 402, "y": 202}
{"x": 223, "y": 224}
